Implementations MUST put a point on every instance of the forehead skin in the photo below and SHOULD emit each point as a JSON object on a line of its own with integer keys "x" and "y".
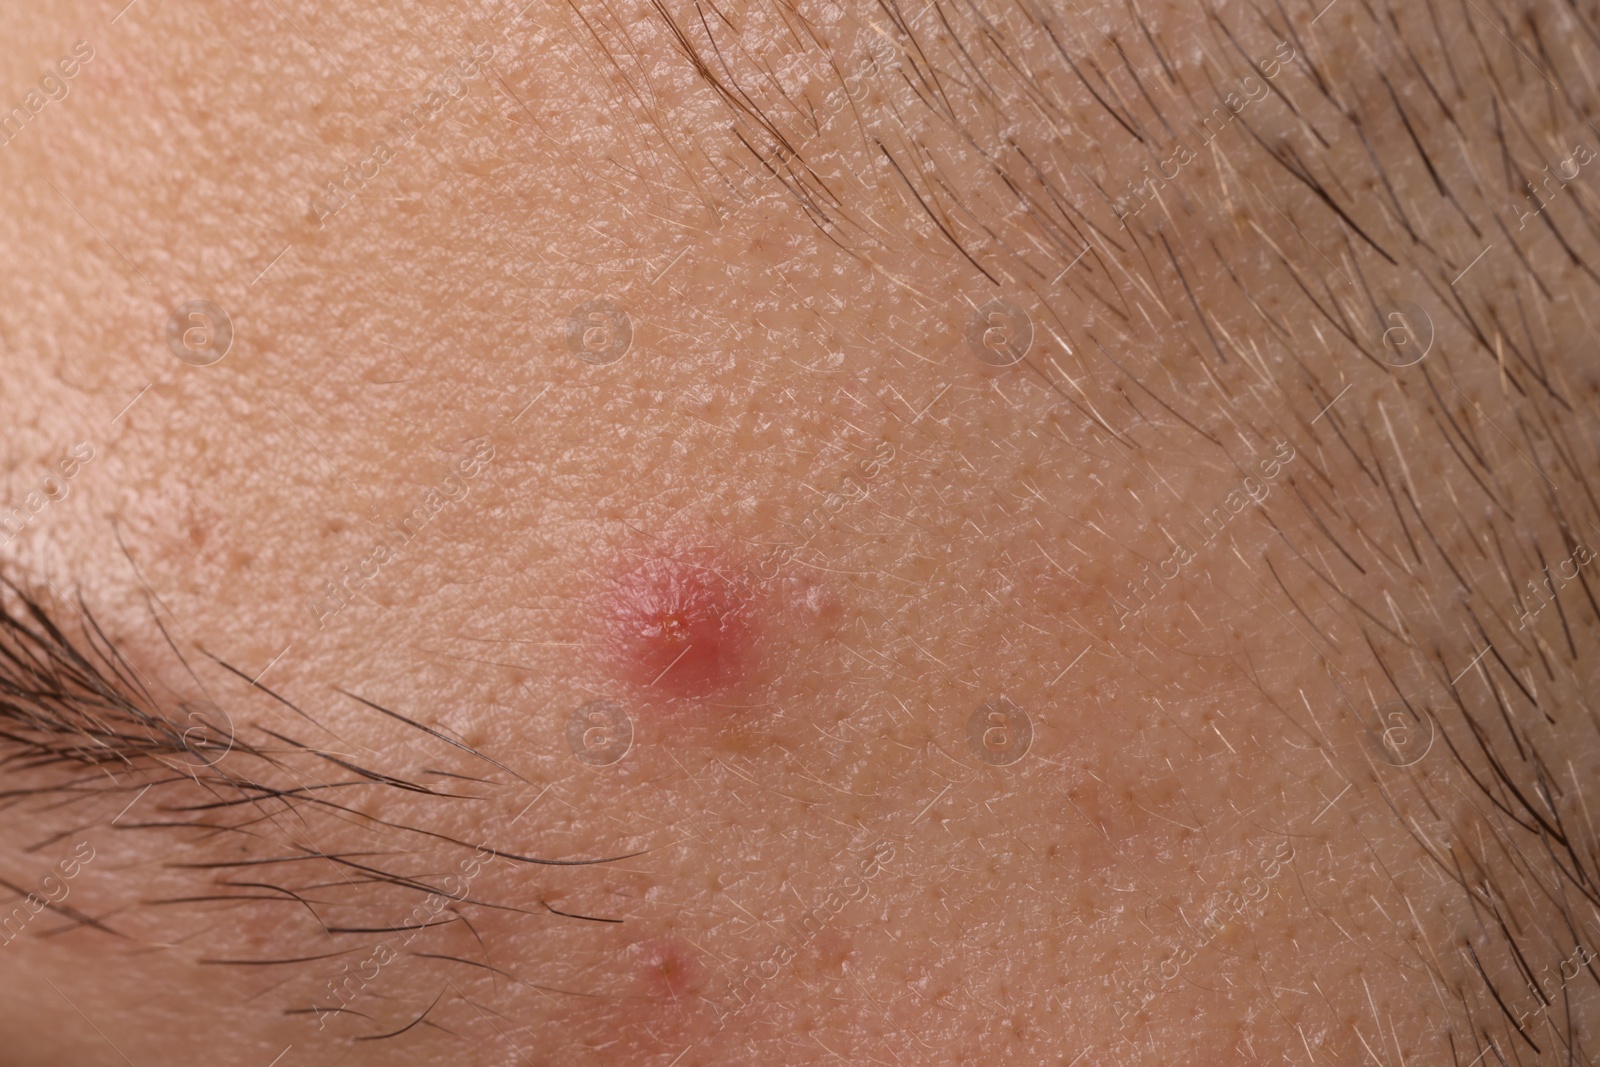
{"x": 1211, "y": 541}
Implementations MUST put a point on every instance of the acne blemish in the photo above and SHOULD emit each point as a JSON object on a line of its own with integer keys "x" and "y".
{"x": 680, "y": 628}
{"x": 667, "y": 968}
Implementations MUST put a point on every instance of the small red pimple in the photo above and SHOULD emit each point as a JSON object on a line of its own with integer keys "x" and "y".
{"x": 679, "y": 628}
{"x": 668, "y": 968}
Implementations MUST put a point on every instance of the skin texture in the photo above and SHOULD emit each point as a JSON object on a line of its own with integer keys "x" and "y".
{"x": 624, "y": 465}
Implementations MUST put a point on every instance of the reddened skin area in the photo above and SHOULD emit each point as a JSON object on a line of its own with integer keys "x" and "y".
{"x": 681, "y": 627}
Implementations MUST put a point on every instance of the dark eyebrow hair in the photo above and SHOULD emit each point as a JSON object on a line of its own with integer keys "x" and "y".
{"x": 79, "y": 723}
{"x": 76, "y": 702}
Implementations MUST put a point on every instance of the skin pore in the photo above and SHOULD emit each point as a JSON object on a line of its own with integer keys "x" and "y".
{"x": 789, "y": 532}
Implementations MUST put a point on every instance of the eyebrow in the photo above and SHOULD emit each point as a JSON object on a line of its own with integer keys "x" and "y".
{"x": 79, "y": 722}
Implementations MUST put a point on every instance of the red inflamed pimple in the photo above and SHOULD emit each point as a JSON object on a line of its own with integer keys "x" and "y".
{"x": 680, "y": 628}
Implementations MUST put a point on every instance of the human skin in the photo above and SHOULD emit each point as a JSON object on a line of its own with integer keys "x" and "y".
{"x": 1251, "y": 545}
